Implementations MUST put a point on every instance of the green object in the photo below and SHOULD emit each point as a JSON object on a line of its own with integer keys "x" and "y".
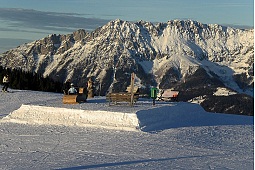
{"x": 154, "y": 92}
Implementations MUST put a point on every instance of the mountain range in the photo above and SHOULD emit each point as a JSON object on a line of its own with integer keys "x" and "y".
{"x": 185, "y": 55}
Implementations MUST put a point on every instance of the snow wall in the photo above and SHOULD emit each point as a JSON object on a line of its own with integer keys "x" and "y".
{"x": 147, "y": 119}
{"x": 42, "y": 115}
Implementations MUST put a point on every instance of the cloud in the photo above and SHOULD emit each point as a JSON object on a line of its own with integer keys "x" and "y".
{"x": 33, "y": 19}
{"x": 8, "y": 43}
{"x": 239, "y": 26}
{"x": 19, "y": 26}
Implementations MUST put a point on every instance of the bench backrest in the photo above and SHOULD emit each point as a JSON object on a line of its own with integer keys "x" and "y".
{"x": 135, "y": 90}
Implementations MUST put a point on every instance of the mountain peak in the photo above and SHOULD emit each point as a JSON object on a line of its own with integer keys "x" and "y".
{"x": 159, "y": 52}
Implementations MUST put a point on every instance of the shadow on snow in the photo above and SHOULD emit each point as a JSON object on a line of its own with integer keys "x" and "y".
{"x": 135, "y": 162}
{"x": 186, "y": 115}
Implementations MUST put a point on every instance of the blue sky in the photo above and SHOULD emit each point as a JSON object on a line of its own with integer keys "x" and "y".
{"x": 28, "y": 20}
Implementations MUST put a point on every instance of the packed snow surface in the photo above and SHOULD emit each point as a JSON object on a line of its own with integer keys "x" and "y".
{"x": 175, "y": 135}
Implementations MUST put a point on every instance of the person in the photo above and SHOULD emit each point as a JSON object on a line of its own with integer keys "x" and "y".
{"x": 72, "y": 90}
{"x": 90, "y": 88}
{"x": 67, "y": 86}
{"x": 5, "y": 83}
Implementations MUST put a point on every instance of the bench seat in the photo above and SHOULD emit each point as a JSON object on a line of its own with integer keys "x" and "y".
{"x": 121, "y": 97}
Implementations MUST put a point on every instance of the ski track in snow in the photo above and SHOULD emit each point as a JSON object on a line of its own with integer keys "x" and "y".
{"x": 22, "y": 146}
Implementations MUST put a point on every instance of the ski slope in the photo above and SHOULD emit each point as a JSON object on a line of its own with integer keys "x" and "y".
{"x": 169, "y": 136}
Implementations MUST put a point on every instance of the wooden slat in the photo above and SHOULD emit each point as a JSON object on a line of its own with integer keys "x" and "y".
{"x": 119, "y": 97}
{"x": 70, "y": 99}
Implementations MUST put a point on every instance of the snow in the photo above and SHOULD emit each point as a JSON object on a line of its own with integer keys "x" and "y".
{"x": 223, "y": 92}
{"x": 42, "y": 115}
{"x": 225, "y": 73}
{"x": 39, "y": 132}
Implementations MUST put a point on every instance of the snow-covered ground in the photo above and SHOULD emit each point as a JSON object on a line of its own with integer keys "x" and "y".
{"x": 168, "y": 136}
{"x": 223, "y": 92}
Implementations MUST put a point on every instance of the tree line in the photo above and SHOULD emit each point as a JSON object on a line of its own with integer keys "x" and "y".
{"x": 25, "y": 80}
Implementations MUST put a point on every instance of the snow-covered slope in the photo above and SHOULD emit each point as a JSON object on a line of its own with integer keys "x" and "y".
{"x": 47, "y": 108}
{"x": 182, "y": 136}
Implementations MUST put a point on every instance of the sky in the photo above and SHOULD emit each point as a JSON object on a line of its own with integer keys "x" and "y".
{"x": 28, "y": 20}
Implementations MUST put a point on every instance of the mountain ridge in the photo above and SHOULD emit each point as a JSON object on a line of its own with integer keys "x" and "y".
{"x": 155, "y": 52}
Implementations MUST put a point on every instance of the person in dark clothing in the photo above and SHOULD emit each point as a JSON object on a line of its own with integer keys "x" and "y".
{"x": 67, "y": 86}
{"x": 5, "y": 83}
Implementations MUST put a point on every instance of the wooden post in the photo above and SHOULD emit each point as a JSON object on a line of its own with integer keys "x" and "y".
{"x": 132, "y": 88}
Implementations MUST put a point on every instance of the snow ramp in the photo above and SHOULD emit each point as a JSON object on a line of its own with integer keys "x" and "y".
{"x": 43, "y": 115}
{"x": 143, "y": 117}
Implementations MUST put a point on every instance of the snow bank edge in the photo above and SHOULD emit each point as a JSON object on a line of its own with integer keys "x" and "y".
{"x": 42, "y": 115}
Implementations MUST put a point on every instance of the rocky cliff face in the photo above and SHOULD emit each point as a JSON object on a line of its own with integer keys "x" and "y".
{"x": 163, "y": 54}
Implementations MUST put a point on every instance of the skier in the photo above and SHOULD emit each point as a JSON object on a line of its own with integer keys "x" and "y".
{"x": 72, "y": 90}
{"x": 5, "y": 83}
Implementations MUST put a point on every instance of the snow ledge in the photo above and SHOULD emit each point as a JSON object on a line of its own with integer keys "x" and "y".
{"x": 42, "y": 115}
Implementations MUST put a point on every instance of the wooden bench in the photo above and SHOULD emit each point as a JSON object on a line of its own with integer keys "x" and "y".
{"x": 75, "y": 98}
{"x": 168, "y": 95}
{"x": 131, "y": 95}
{"x": 121, "y": 97}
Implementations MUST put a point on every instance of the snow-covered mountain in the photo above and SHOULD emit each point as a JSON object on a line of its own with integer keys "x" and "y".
{"x": 179, "y": 47}
{"x": 162, "y": 54}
